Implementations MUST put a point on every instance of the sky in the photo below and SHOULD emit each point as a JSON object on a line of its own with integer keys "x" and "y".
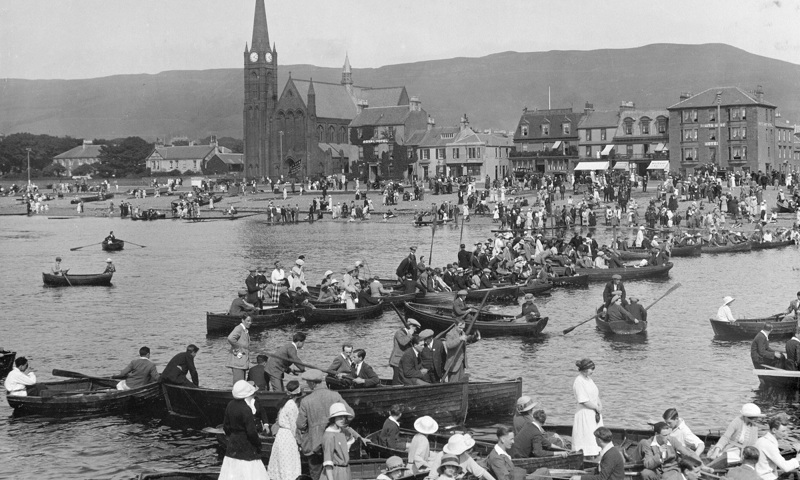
{"x": 68, "y": 39}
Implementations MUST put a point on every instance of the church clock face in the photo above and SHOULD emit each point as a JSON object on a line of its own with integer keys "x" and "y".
{"x": 254, "y": 57}
{"x": 268, "y": 57}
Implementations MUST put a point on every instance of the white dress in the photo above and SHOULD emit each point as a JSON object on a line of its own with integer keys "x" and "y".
{"x": 284, "y": 461}
{"x": 584, "y": 424}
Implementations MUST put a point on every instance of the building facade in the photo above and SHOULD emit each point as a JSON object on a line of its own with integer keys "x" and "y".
{"x": 86, "y": 154}
{"x": 596, "y": 131}
{"x": 224, "y": 164}
{"x": 641, "y": 140}
{"x": 725, "y": 126}
{"x": 192, "y": 158}
{"x": 546, "y": 141}
{"x": 785, "y": 145}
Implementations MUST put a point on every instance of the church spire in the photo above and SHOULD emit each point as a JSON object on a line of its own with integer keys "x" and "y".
{"x": 347, "y": 74}
{"x": 260, "y": 41}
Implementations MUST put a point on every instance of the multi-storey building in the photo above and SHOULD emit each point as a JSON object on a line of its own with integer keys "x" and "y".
{"x": 546, "y": 141}
{"x": 641, "y": 139}
{"x": 725, "y": 126}
{"x": 86, "y": 154}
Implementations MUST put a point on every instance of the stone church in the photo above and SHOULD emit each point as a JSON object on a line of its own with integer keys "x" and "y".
{"x": 304, "y": 130}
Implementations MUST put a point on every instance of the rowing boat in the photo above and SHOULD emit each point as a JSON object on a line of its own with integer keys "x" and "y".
{"x": 771, "y": 245}
{"x": 98, "y": 197}
{"x": 748, "y": 328}
{"x": 447, "y": 403}
{"x": 627, "y": 273}
{"x": 6, "y": 361}
{"x": 620, "y": 327}
{"x": 779, "y": 378}
{"x": 501, "y": 293}
{"x": 675, "y": 251}
{"x": 86, "y": 396}
{"x": 536, "y": 288}
{"x": 425, "y": 223}
{"x": 314, "y": 316}
{"x": 570, "y": 280}
{"x": 730, "y": 248}
{"x": 480, "y": 451}
{"x": 224, "y": 323}
{"x": 113, "y": 245}
{"x": 394, "y": 297}
{"x": 439, "y": 318}
{"x": 72, "y": 280}
{"x": 786, "y": 207}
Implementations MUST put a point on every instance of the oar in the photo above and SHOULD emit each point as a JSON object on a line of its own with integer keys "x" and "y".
{"x": 90, "y": 245}
{"x": 69, "y": 374}
{"x": 66, "y": 278}
{"x": 400, "y": 315}
{"x": 302, "y": 364}
{"x": 126, "y": 241}
{"x": 564, "y": 332}
{"x": 458, "y": 357}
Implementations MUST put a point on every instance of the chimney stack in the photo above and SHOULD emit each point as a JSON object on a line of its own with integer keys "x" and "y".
{"x": 627, "y": 106}
{"x": 759, "y": 94}
{"x": 362, "y": 104}
{"x": 588, "y": 108}
{"x": 685, "y": 95}
{"x": 414, "y": 104}
{"x": 431, "y": 122}
{"x": 464, "y": 122}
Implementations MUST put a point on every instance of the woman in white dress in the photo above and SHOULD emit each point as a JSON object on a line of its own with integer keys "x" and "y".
{"x": 284, "y": 461}
{"x": 588, "y": 417}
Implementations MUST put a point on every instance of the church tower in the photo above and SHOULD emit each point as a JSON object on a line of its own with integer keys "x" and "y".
{"x": 260, "y": 100}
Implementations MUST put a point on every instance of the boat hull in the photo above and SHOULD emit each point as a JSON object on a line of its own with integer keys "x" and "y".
{"x": 6, "y": 362}
{"x": 620, "y": 328}
{"x": 771, "y": 245}
{"x": 113, "y": 246}
{"x": 223, "y": 323}
{"x": 641, "y": 254}
{"x": 440, "y": 318}
{"x": 629, "y": 273}
{"x": 317, "y": 316}
{"x": 86, "y": 397}
{"x": 748, "y": 328}
{"x": 100, "y": 279}
{"x": 735, "y": 248}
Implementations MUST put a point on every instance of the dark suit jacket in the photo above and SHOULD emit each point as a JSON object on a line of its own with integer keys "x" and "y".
{"x": 459, "y": 307}
{"x": 371, "y": 379}
{"x": 500, "y": 466}
{"x": 252, "y": 289}
{"x": 433, "y": 358}
{"x": 530, "y": 442}
{"x": 760, "y": 351}
{"x": 276, "y": 368}
{"x": 793, "y": 355}
{"x": 410, "y": 365}
{"x": 610, "y": 288}
{"x": 612, "y": 467}
{"x": 742, "y": 472}
{"x": 340, "y": 365}
{"x": 259, "y": 376}
{"x": 390, "y": 436}
{"x": 177, "y": 368}
{"x": 485, "y": 283}
{"x": 464, "y": 258}
{"x": 408, "y": 265}
{"x": 449, "y": 279}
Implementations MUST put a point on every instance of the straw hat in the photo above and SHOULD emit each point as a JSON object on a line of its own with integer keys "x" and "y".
{"x": 751, "y": 410}
{"x": 727, "y": 300}
{"x": 394, "y": 463}
{"x": 243, "y": 389}
{"x": 456, "y": 445}
{"x": 449, "y": 461}
{"x": 525, "y": 403}
{"x": 339, "y": 410}
{"x": 426, "y": 425}
{"x": 328, "y": 272}
{"x": 108, "y": 260}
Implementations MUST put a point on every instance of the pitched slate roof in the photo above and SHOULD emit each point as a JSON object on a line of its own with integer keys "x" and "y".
{"x": 731, "y": 96}
{"x": 81, "y": 151}
{"x": 334, "y": 101}
{"x": 535, "y": 119}
{"x": 433, "y": 138}
{"x": 599, "y": 119}
{"x": 185, "y": 152}
{"x": 231, "y": 158}
{"x": 381, "y": 96}
{"x": 379, "y": 116}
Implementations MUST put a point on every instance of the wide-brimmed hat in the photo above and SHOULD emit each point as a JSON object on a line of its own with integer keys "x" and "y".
{"x": 313, "y": 376}
{"x": 525, "y": 403}
{"x": 426, "y": 425}
{"x": 751, "y": 410}
{"x": 394, "y": 463}
{"x": 528, "y": 296}
{"x": 456, "y": 445}
{"x": 299, "y": 262}
{"x": 334, "y": 281}
{"x": 449, "y": 461}
{"x": 328, "y": 272}
{"x": 108, "y": 260}
{"x": 727, "y": 300}
{"x": 339, "y": 410}
{"x": 243, "y": 389}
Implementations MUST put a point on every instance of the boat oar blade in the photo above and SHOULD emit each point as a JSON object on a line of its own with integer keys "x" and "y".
{"x": 84, "y": 246}
{"x": 564, "y": 332}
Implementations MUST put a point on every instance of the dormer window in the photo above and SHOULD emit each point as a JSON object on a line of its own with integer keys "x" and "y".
{"x": 565, "y": 128}
{"x": 524, "y": 130}
{"x": 627, "y": 126}
{"x": 546, "y": 129}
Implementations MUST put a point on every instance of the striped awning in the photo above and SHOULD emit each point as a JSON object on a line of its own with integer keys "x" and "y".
{"x": 591, "y": 166}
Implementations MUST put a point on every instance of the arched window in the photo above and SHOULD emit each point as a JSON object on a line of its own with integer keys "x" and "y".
{"x": 300, "y": 129}
{"x": 288, "y": 136}
{"x": 331, "y": 134}
{"x": 320, "y": 134}
{"x": 342, "y": 135}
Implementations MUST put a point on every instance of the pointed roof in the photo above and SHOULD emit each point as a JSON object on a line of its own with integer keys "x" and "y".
{"x": 311, "y": 88}
{"x": 346, "y": 68}
{"x": 334, "y": 101}
{"x": 384, "y": 116}
{"x": 260, "y": 41}
{"x": 81, "y": 151}
{"x": 729, "y": 96}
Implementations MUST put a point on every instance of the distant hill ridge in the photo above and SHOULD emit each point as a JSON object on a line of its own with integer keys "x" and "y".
{"x": 492, "y": 90}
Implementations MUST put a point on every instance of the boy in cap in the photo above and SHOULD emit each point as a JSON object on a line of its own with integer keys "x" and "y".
{"x": 240, "y": 306}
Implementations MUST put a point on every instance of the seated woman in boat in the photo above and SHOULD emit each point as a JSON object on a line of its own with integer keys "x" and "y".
{"x": 600, "y": 260}
{"x": 741, "y": 432}
{"x": 395, "y": 468}
{"x": 419, "y": 450}
{"x": 459, "y": 445}
{"x": 532, "y": 440}
{"x": 530, "y": 313}
{"x": 389, "y": 435}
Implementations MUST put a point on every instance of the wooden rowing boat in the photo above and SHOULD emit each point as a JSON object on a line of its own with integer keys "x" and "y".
{"x": 6, "y": 361}
{"x": 480, "y": 451}
{"x": 86, "y": 396}
{"x": 439, "y": 318}
{"x": 786, "y": 207}
{"x": 779, "y": 378}
{"x": 771, "y": 245}
{"x": 98, "y": 197}
{"x": 730, "y": 248}
{"x": 112, "y": 246}
{"x": 747, "y": 328}
{"x": 148, "y": 215}
{"x": 570, "y": 280}
{"x": 394, "y": 297}
{"x": 210, "y": 474}
{"x": 675, "y": 251}
{"x": 314, "y": 316}
{"x": 447, "y": 403}
{"x": 501, "y": 293}
{"x": 72, "y": 280}
{"x": 627, "y": 273}
{"x": 535, "y": 288}
{"x": 224, "y": 323}
{"x": 426, "y": 223}
{"x": 620, "y": 327}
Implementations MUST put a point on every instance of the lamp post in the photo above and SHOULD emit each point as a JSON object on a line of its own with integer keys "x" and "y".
{"x": 29, "y": 165}
{"x": 719, "y": 129}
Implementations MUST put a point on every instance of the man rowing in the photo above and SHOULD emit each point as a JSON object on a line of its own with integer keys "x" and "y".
{"x": 288, "y": 362}
{"x": 613, "y": 287}
{"x": 110, "y": 238}
{"x": 240, "y": 306}
{"x": 530, "y": 312}
{"x": 460, "y": 308}
{"x": 616, "y": 313}
{"x": 139, "y": 372}
{"x": 791, "y": 312}
{"x": 57, "y": 270}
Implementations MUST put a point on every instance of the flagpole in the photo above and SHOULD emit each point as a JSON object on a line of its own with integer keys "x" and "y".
{"x": 433, "y": 232}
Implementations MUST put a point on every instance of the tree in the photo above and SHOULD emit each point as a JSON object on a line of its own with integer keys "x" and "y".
{"x": 124, "y": 157}
{"x": 14, "y": 156}
{"x": 54, "y": 169}
{"x": 85, "y": 169}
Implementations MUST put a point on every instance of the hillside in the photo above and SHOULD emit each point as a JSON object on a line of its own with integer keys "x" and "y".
{"x": 492, "y": 90}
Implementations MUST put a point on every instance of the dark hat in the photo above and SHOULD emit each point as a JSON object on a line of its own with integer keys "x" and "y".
{"x": 413, "y": 249}
{"x": 463, "y": 246}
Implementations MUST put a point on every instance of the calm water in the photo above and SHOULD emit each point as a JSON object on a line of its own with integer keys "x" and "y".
{"x": 161, "y": 293}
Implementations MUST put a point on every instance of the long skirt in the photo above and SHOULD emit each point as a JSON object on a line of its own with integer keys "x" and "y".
{"x": 583, "y": 428}
{"x": 284, "y": 462}
{"x": 233, "y": 469}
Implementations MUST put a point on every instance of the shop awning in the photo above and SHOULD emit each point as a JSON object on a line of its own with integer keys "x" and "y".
{"x": 607, "y": 150}
{"x": 658, "y": 165}
{"x": 660, "y": 147}
{"x": 556, "y": 145}
{"x": 591, "y": 166}
{"x": 622, "y": 166}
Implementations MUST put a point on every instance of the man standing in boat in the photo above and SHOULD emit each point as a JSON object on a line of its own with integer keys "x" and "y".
{"x": 277, "y": 367}
{"x": 456, "y": 342}
{"x": 613, "y": 287}
{"x": 408, "y": 265}
{"x": 401, "y": 343}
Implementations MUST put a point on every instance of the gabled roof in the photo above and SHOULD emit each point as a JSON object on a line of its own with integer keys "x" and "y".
{"x": 433, "y": 138}
{"x": 334, "y": 101}
{"x": 731, "y": 96}
{"x": 637, "y": 114}
{"x": 194, "y": 152}
{"x": 81, "y": 151}
{"x": 381, "y": 96}
{"x": 554, "y": 118}
{"x": 230, "y": 158}
{"x": 380, "y": 116}
{"x": 600, "y": 119}
{"x": 470, "y": 137}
